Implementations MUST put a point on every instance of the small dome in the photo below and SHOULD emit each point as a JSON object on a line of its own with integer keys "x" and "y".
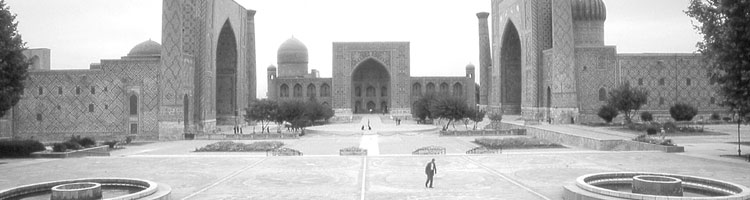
{"x": 292, "y": 51}
{"x": 589, "y": 10}
{"x": 470, "y": 66}
{"x": 147, "y": 48}
{"x": 271, "y": 67}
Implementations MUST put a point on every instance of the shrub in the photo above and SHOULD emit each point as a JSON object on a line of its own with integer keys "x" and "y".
{"x": 647, "y": 116}
{"x": 19, "y": 148}
{"x": 72, "y": 145}
{"x": 651, "y": 140}
{"x": 75, "y": 139}
{"x": 715, "y": 116}
{"x": 515, "y": 143}
{"x": 496, "y": 116}
{"x": 683, "y": 112}
{"x": 652, "y": 130}
{"x": 87, "y": 142}
{"x": 607, "y": 113}
{"x": 228, "y": 146}
{"x": 669, "y": 127}
{"x": 59, "y": 147}
{"x": 129, "y": 139}
{"x": 111, "y": 144}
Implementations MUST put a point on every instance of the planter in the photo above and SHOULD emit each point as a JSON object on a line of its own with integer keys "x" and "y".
{"x": 93, "y": 151}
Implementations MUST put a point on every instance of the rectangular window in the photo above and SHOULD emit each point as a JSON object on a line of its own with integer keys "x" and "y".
{"x": 39, "y": 117}
{"x": 93, "y": 90}
{"x": 133, "y": 128}
{"x": 41, "y": 91}
{"x": 59, "y": 90}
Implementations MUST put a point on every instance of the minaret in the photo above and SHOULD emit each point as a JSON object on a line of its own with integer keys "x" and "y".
{"x": 485, "y": 59}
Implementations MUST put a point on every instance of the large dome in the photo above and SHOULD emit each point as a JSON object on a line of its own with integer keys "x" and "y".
{"x": 147, "y": 48}
{"x": 292, "y": 51}
{"x": 589, "y": 10}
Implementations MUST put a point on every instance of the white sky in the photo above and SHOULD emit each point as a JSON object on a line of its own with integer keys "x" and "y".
{"x": 443, "y": 33}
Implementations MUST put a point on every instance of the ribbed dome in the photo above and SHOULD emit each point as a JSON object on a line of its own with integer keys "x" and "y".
{"x": 292, "y": 51}
{"x": 271, "y": 67}
{"x": 592, "y": 10}
{"x": 147, "y": 48}
{"x": 470, "y": 66}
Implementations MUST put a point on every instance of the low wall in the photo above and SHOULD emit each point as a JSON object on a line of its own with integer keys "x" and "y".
{"x": 247, "y": 136}
{"x": 593, "y": 143}
{"x": 484, "y": 132}
{"x": 94, "y": 151}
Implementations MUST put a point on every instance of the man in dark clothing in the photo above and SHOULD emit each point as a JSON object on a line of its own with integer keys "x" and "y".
{"x": 430, "y": 170}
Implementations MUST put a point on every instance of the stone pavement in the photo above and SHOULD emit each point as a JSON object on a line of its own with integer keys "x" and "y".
{"x": 392, "y": 173}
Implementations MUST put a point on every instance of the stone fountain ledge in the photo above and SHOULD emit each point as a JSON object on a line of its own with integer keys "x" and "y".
{"x": 93, "y": 151}
{"x": 585, "y": 187}
{"x": 151, "y": 190}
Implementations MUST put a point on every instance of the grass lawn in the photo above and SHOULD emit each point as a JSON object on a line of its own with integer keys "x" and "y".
{"x": 672, "y": 134}
{"x": 516, "y": 143}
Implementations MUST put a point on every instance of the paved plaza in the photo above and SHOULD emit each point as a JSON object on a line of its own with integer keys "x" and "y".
{"x": 390, "y": 173}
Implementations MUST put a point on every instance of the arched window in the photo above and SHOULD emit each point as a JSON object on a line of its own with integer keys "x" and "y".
{"x": 284, "y": 90}
{"x": 370, "y": 91}
{"x": 78, "y": 90}
{"x": 41, "y": 91}
{"x": 325, "y": 90}
{"x": 358, "y": 91}
{"x": 93, "y": 90}
{"x": 444, "y": 88}
{"x": 688, "y": 82}
{"x": 383, "y": 91}
{"x": 416, "y": 89}
{"x": 458, "y": 90}
{"x": 91, "y": 107}
{"x": 661, "y": 100}
{"x": 59, "y": 90}
{"x": 602, "y": 94}
{"x": 311, "y": 90}
{"x": 297, "y": 90}
{"x": 661, "y": 81}
{"x": 430, "y": 88}
{"x": 640, "y": 81}
{"x": 133, "y": 105}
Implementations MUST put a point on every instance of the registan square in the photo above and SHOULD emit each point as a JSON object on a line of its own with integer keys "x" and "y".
{"x": 224, "y": 104}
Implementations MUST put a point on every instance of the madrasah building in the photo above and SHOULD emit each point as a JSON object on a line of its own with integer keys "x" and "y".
{"x": 544, "y": 60}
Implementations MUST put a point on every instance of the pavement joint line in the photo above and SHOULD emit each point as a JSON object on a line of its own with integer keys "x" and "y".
{"x": 507, "y": 179}
{"x": 364, "y": 177}
{"x": 233, "y": 174}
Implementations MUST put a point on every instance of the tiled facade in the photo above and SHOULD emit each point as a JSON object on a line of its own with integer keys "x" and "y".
{"x": 368, "y": 77}
{"x": 550, "y": 54}
{"x": 157, "y": 92}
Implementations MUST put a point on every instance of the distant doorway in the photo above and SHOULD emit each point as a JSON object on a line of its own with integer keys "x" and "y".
{"x": 510, "y": 74}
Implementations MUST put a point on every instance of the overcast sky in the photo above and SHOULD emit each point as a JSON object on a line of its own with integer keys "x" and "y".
{"x": 443, "y": 33}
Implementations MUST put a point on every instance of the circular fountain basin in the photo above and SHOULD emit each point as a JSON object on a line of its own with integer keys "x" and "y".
{"x": 657, "y": 185}
{"x": 81, "y": 191}
{"x": 619, "y": 185}
{"x": 111, "y": 188}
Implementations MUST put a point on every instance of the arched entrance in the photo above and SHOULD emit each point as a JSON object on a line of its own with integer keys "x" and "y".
{"x": 226, "y": 76}
{"x": 371, "y": 75}
{"x": 186, "y": 112}
{"x": 510, "y": 70}
{"x": 549, "y": 104}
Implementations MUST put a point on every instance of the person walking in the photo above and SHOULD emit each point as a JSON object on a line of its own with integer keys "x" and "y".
{"x": 430, "y": 170}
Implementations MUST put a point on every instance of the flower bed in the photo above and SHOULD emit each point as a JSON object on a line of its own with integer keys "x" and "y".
{"x": 93, "y": 151}
{"x": 483, "y": 150}
{"x": 429, "y": 150}
{"x": 484, "y": 132}
{"x": 284, "y": 152}
{"x": 228, "y": 146}
{"x": 353, "y": 151}
{"x": 516, "y": 143}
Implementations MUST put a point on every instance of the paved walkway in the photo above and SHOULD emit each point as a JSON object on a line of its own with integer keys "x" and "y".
{"x": 389, "y": 172}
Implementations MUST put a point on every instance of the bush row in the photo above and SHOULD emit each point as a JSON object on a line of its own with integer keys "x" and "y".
{"x": 74, "y": 143}
{"x": 19, "y": 148}
{"x": 228, "y": 146}
{"x": 653, "y": 140}
{"x": 515, "y": 143}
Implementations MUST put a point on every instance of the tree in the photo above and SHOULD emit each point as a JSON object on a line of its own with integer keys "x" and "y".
{"x": 263, "y": 111}
{"x": 292, "y": 111}
{"x": 450, "y": 108}
{"x": 421, "y": 108}
{"x": 725, "y": 26}
{"x": 682, "y": 112}
{"x": 607, "y": 113}
{"x": 647, "y": 116}
{"x": 13, "y": 64}
{"x": 627, "y": 100}
{"x": 316, "y": 111}
{"x": 476, "y": 115}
